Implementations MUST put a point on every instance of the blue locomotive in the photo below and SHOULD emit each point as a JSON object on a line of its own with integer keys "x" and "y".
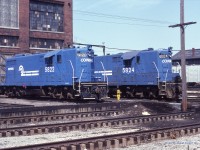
{"x": 146, "y": 73}
{"x": 66, "y": 73}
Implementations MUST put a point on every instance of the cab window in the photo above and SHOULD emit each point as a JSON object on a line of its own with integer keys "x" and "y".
{"x": 127, "y": 63}
{"x": 138, "y": 59}
{"x": 49, "y": 61}
{"x": 59, "y": 59}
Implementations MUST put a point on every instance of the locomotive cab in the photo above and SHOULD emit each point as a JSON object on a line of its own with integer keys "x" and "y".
{"x": 86, "y": 85}
{"x": 169, "y": 82}
{"x": 76, "y": 69}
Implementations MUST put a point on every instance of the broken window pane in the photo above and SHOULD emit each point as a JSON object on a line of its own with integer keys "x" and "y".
{"x": 46, "y": 43}
{"x": 46, "y": 16}
{"x": 11, "y": 41}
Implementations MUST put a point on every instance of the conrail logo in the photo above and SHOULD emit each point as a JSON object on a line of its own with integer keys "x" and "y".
{"x": 28, "y": 73}
{"x": 166, "y": 61}
{"x": 86, "y": 60}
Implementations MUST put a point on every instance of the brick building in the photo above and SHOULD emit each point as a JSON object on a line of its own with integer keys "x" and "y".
{"x": 192, "y": 57}
{"x": 35, "y": 25}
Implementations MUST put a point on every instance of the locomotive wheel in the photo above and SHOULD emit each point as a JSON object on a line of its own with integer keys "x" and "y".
{"x": 69, "y": 96}
{"x": 170, "y": 93}
{"x": 146, "y": 94}
{"x": 97, "y": 98}
{"x": 18, "y": 95}
{"x": 153, "y": 95}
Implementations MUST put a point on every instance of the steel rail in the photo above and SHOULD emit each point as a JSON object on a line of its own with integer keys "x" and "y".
{"x": 117, "y": 140}
{"x": 71, "y": 126}
{"x": 52, "y": 117}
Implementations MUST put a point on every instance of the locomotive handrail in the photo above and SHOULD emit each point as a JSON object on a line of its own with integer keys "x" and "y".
{"x": 72, "y": 73}
{"x": 166, "y": 78}
{"x": 157, "y": 72}
{"x": 105, "y": 74}
{"x": 80, "y": 81}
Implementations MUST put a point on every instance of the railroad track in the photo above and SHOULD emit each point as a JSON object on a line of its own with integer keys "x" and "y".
{"x": 84, "y": 125}
{"x": 7, "y": 121}
{"x": 118, "y": 140}
{"x": 12, "y": 106}
{"x": 14, "y": 112}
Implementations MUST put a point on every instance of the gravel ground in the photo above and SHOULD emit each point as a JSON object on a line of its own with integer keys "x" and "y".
{"x": 53, "y": 137}
{"x": 183, "y": 143}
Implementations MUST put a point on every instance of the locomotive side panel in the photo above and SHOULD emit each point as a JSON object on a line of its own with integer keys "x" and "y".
{"x": 109, "y": 69}
{"x": 141, "y": 69}
{"x": 24, "y": 70}
{"x": 59, "y": 71}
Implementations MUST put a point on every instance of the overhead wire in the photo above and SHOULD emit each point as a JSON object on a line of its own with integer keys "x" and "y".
{"x": 153, "y": 23}
{"x": 121, "y": 17}
{"x": 119, "y": 23}
{"x": 112, "y": 48}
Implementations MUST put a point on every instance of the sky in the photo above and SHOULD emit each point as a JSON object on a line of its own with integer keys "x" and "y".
{"x": 135, "y": 24}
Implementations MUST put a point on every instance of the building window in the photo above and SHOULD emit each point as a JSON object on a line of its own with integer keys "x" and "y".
{"x": 46, "y": 16}
{"x": 11, "y": 41}
{"x": 9, "y": 13}
{"x": 46, "y": 43}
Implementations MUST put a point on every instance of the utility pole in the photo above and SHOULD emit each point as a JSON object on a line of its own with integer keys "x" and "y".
{"x": 183, "y": 69}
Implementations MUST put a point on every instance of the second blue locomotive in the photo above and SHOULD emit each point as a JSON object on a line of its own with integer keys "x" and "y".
{"x": 146, "y": 73}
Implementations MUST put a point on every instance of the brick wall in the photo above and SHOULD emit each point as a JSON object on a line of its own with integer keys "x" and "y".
{"x": 24, "y": 25}
{"x": 68, "y": 24}
{"x": 24, "y": 33}
{"x": 67, "y": 36}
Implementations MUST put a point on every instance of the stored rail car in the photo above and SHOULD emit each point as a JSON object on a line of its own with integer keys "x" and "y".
{"x": 64, "y": 74}
{"x": 192, "y": 73}
{"x": 146, "y": 73}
